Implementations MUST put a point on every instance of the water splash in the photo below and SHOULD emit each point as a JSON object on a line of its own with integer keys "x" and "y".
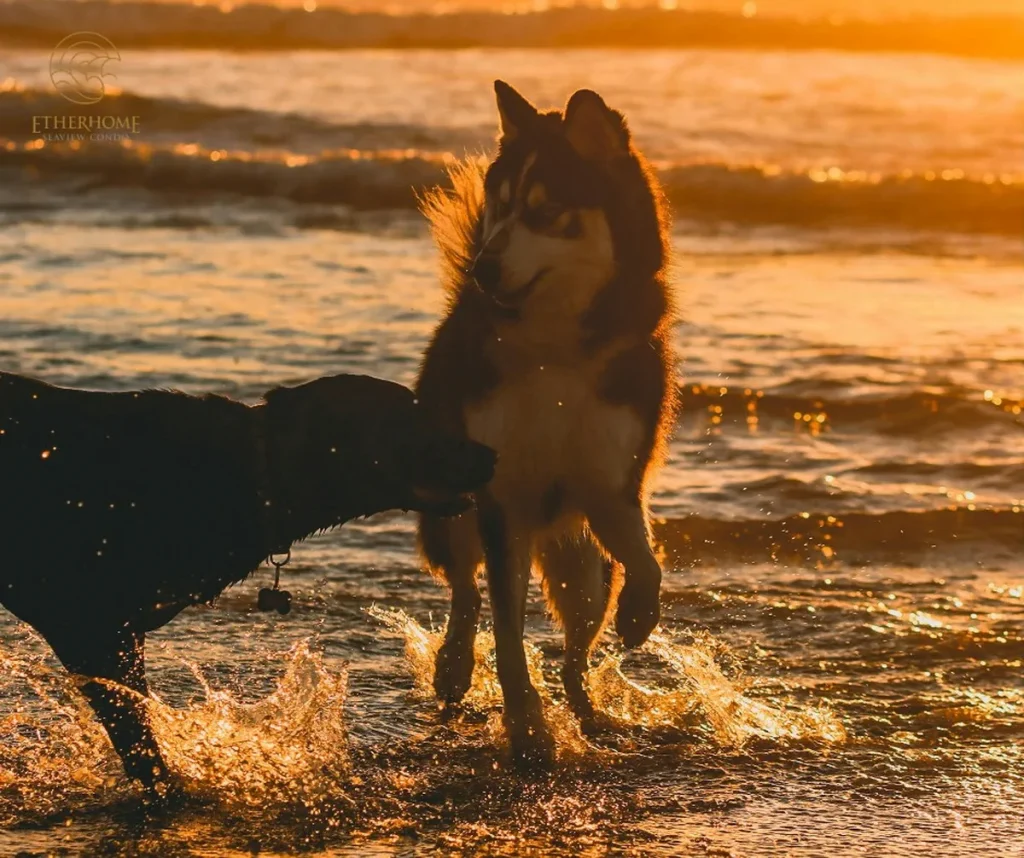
{"x": 288, "y": 749}
{"x": 53, "y": 753}
{"x": 421, "y": 646}
{"x": 705, "y": 698}
{"x": 284, "y": 771}
{"x": 287, "y": 752}
{"x": 694, "y": 696}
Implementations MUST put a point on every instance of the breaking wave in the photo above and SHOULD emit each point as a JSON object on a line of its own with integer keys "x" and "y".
{"x": 171, "y": 120}
{"x": 225, "y": 25}
{"x": 392, "y": 178}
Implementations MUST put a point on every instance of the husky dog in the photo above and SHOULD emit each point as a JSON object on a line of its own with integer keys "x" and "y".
{"x": 555, "y": 352}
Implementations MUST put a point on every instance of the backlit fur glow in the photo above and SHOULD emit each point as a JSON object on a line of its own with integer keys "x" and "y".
{"x": 561, "y": 361}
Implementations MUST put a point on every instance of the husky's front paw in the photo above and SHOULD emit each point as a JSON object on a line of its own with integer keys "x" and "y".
{"x": 601, "y": 725}
{"x": 453, "y": 671}
{"x": 532, "y": 745}
{"x": 533, "y": 749}
{"x": 639, "y": 610}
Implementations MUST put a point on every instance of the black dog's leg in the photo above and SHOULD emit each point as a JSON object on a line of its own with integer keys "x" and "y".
{"x": 119, "y": 657}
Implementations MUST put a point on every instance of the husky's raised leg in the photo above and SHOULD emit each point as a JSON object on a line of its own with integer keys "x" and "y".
{"x": 621, "y": 526}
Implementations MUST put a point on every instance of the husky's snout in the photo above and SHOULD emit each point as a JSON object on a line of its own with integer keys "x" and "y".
{"x": 488, "y": 272}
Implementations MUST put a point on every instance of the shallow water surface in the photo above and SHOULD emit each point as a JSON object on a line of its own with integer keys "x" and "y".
{"x": 840, "y": 669}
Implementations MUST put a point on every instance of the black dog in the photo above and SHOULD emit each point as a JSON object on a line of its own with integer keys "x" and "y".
{"x": 119, "y": 510}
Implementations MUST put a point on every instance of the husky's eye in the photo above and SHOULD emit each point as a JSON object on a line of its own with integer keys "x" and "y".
{"x": 554, "y": 219}
{"x": 552, "y": 213}
{"x": 567, "y": 223}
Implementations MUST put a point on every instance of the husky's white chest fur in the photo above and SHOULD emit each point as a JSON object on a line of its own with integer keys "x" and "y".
{"x": 552, "y": 431}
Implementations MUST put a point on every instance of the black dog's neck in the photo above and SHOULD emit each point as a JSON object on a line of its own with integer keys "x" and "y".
{"x": 291, "y": 506}
{"x": 275, "y": 510}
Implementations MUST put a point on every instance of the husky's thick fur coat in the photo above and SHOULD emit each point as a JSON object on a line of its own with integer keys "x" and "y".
{"x": 555, "y": 351}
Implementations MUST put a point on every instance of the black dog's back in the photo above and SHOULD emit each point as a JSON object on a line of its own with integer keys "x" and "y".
{"x": 118, "y": 510}
{"x": 79, "y": 474}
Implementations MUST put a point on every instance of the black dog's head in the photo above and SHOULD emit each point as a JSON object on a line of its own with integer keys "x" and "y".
{"x": 350, "y": 445}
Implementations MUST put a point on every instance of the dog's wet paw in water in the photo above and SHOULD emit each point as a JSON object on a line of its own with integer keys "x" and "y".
{"x": 608, "y": 732}
{"x": 531, "y": 743}
{"x": 453, "y": 672}
{"x": 601, "y": 725}
{"x": 167, "y": 795}
{"x": 639, "y": 610}
{"x": 533, "y": 750}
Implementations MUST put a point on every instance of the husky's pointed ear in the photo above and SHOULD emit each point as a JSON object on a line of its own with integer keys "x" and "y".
{"x": 593, "y": 129}
{"x": 514, "y": 110}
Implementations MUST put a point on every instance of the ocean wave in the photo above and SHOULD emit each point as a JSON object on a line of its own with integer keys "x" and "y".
{"x": 906, "y": 413}
{"x": 171, "y": 120}
{"x": 138, "y": 25}
{"x": 392, "y": 178}
{"x": 921, "y": 537}
{"x": 947, "y": 201}
{"x": 377, "y": 179}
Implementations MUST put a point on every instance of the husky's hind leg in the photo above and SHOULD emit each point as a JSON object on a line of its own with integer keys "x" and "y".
{"x": 620, "y": 525}
{"x": 579, "y": 583}
{"x": 452, "y": 548}
{"x": 508, "y": 552}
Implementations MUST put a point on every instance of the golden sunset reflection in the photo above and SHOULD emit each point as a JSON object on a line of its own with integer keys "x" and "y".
{"x": 838, "y": 667}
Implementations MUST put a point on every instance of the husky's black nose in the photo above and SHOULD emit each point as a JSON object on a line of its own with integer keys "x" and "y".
{"x": 486, "y": 271}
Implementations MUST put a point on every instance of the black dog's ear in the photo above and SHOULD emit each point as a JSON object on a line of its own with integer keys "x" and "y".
{"x": 515, "y": 112}
{"x": 593, "y": 129}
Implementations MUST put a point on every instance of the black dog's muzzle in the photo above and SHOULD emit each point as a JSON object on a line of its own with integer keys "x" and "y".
{"x": 448, "y": 471}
